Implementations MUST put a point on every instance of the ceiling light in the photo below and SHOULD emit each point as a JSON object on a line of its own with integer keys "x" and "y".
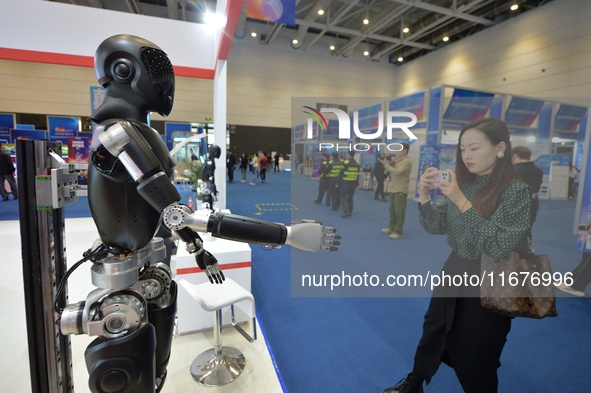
{"x": 445, "y": 39}
{"x": 400, "y": 59}
{"x": 321, "y": 12}
{"x": 253, "y": 34}
{"x": 514, "y": 7}
{"x": 213, "y": 19}
{"x": 295, "y": 42}
{"x": 332, "y": 47}
{"x": 366, "y": 53}
{"x": 405, "y": 30}
{"x": 366, "y": 21}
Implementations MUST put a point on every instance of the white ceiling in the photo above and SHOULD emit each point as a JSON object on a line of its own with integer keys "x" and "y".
{"x": 428, "y": 22}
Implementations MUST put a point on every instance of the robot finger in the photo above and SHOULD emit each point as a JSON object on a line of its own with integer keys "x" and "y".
{"x": 213, "y": 278}
{"x": 328, "y": 248}
{"x": 216, "y": 274}
{"x": 328, "y": 229}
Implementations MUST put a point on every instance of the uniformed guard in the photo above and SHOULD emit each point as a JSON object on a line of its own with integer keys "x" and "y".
{"x": 325, "y": 168}
{"x": 333, "y": 179}
{"x": 348, "y": 182}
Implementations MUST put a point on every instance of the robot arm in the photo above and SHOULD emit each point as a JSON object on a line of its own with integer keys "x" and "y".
{"x": 307, "y": 235}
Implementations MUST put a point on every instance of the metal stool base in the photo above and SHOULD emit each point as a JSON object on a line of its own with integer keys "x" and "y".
{"x": 209, "y": 369}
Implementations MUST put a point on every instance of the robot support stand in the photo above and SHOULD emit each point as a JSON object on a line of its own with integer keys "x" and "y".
{"x": 44, "y": 261}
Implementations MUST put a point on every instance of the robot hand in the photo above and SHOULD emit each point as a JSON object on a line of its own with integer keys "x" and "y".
{"x": 310, "y": 235}
{"x": 209, "y": 264}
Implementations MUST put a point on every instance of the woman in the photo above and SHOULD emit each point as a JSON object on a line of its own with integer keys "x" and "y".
{"x": 255, "y": 169}
{"x": 485, "y": 210}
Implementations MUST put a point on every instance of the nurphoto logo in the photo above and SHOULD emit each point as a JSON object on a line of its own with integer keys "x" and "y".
{"x": 345, "y": 128}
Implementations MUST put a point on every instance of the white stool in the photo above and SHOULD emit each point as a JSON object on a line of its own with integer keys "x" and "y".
{"x": 220, "y": 365}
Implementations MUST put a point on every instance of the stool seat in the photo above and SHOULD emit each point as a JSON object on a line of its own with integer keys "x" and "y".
{"x": 220, "y": 365}
{"x": 214, "y": 296}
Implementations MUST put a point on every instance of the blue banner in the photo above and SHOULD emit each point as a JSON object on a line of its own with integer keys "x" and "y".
{"x": 522, "y": 112}
{"x": 467, "y": 105}
{"x": 433, "y": 121}
{"x": 62, "y": 127}
{"x": 78, "y": 150}
{"x": 28, "y": 134}
{"x": 567, "y": 120}
{"x": 7, "y": 122}
{"x": 176, "y": 130}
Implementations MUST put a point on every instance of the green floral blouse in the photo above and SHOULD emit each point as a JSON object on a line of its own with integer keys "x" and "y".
{"x": 471, "y": 234}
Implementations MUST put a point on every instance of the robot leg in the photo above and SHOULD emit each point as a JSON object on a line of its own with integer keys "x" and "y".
{"x": 163, "y": 320}
{"x": 124, "y": 364}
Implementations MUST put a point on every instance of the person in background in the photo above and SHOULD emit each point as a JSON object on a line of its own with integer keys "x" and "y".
{"x": 255, "y": 169}
{"x": 348, "y": 182}
{"x": 581, "y": 275}
{"x": 323, "y": 171}
{"x": 263, "y": 164}
{"x": 529, "y": 173}
{"x": 230, "y": 165}
{"x": 485, "y": 209}
{"x": 7, "y": 174}
{"x": 572, "y": 175}
{"x": 276, "y": 160}
{"x": 243, "y": 167}
{"x": 193, "y": 156}
{"x": 399, "y": 169}
{"x": 380, "y": 173}
{"x": 333, "y": 180}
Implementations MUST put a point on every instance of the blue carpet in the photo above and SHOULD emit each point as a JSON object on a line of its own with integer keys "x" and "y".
{"x": 360, "y": 340}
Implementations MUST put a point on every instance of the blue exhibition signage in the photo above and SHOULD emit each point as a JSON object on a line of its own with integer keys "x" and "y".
{"x": 433, "y": 121}
{"x": 6, "y": 121}
{"x": 28, "y": 134}
{"x": 466, "y": 106}
{"x": 62, "y": 127}
{"x": 176, "y": 130}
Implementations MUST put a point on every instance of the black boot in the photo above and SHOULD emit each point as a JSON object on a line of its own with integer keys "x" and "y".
{"x": 409, "y": 384}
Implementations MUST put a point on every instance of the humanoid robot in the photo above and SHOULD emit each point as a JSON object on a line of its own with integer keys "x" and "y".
{"x": 132, "y": 198}
{"x": 207, "y": 187}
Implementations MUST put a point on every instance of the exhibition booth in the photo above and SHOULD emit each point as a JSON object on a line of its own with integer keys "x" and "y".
{"x": 554, "y": 131}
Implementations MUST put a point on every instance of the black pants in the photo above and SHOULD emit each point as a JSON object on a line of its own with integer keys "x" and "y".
{"x": 461, "y": 333}
{"x": 380, "y": 189}
{"x": 346, "y": 193}
{"x": 323, "y": 185}
{"x": 333, "y": 190}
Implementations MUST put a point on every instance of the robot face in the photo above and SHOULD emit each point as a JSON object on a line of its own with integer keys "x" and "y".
{"x": 140, "y": 69}
{"x": 161, "y": 74}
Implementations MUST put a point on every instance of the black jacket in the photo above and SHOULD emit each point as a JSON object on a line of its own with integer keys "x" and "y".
{"x": 531, "y": 174}
{"x": 6, "y": 165}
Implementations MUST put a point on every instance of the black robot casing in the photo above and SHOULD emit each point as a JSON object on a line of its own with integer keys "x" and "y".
{"x": 139, "y": 79}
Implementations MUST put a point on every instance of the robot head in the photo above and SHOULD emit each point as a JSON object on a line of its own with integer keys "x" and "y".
{"x": 215, "y": 151}
{"x": 138, "y": 66}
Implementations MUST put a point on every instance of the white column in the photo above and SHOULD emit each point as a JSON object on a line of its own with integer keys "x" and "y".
{"x": 219, "y": 130}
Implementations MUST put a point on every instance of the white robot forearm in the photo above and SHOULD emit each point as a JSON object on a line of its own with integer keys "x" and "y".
{"x": 307, "y": 235}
